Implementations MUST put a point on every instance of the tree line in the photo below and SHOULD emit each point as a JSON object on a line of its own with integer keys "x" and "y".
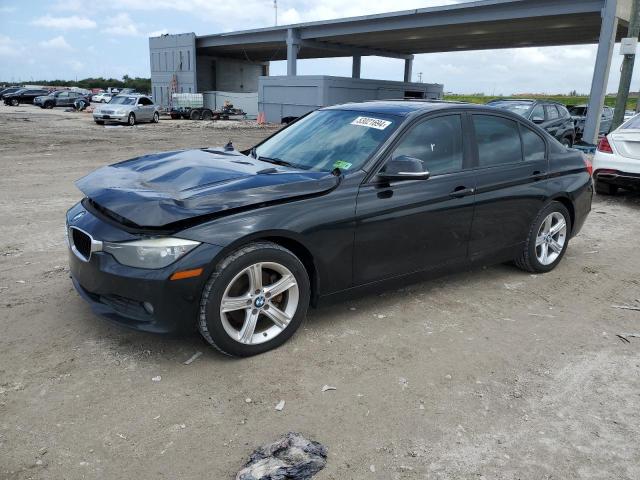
{"x": 139, "y": 84}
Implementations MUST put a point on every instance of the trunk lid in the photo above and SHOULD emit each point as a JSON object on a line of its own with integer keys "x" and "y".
{"x": 627, "y": 143}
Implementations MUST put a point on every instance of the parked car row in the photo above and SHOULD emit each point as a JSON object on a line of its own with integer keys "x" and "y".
{"x": 566, "y": 124}
{"x": 129, "y": 108}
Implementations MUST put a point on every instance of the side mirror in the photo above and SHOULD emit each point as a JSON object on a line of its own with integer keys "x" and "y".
{"x": 537, "y": 120}
{"x": 404, "y": 168}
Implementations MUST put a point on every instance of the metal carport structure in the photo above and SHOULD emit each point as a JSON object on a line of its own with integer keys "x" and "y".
{"x": 478, "y": 25}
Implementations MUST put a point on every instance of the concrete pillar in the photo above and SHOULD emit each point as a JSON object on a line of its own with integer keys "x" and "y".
{"x": 293, "y": 46}
{"x": 355, "y": 67}
{"x": 601, "y": 71}
{"x": 408, "y": 69}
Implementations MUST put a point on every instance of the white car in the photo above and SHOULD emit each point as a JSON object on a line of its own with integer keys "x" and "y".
{"x": 617, "y": 160}
{"x": 102, "y": 97}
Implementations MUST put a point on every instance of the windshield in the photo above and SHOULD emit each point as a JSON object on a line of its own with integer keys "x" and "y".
{"x": 521, "y": 108}
{"x": 123, "y": 100}
{"x": 578, "y": 111}
{"x": 328, "y": 139}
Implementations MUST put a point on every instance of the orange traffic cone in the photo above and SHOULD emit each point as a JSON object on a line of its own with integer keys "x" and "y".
{"x": 261, "y": 120}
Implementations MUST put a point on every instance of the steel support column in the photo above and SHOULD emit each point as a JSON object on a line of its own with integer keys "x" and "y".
{"x": 293, "y": 46}
{"x": 601, "y": 71}
{"x": 356, "y": 66}
{"x": 408, "y": 69}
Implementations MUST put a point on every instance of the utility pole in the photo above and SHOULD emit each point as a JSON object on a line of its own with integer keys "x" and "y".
{"x": 419, "y": 77}
{"x": 275, "y": 7}
{"x": 627, "y": 67}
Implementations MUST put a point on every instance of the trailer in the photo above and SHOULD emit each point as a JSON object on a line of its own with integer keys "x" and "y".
{"x": 190, "y": 106}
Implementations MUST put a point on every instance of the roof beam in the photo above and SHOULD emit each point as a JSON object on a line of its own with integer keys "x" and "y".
{"x": 350, "y": 50}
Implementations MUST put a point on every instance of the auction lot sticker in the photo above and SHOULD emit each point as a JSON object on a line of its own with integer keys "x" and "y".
{"x": 371, "y": 123}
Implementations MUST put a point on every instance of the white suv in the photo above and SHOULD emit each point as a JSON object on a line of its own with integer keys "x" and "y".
{"x": 617, "y": 160}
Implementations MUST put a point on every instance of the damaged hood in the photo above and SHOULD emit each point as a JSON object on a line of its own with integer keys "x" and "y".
{"x": 160, "y": 189}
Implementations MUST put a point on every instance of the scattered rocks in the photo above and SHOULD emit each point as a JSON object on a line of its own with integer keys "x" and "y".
{"x": 280, "y": 405}
{"x": 291, "y": 457}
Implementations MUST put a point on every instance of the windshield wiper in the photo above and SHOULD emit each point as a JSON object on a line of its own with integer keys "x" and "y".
{"x": 277, "y": 161}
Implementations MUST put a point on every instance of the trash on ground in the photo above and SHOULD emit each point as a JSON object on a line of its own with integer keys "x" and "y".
{"x": 327, "y": 388}
{"x": 156, "y": 379}
{"x": 193, "y": 358}
{"x": 280, "y": 405}
{"x": 247, "y": 400}
{"x": 291, "y": 457}
{"x": 626, "y": 307}
{"x": 626, "y": 336}
{"x": 372, "y": 468}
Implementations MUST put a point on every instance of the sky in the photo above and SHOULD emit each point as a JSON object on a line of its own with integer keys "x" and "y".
{"x": 68, "y": 39}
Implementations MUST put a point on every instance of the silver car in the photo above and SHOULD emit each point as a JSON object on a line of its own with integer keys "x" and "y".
{"x": 129, "y": 109}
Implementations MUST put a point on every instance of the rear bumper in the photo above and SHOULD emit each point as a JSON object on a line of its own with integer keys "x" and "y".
{"x": 620, "y": 179}
{"x": 125, "y": 294}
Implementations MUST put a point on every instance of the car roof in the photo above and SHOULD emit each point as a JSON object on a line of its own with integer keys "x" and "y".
{"x": 403, "y": 107}
{"x": 533, "y": 100}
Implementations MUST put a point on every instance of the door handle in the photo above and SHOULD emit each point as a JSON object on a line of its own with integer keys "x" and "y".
{"x": 461, "y": 192}
{"x": 538, "y": 175}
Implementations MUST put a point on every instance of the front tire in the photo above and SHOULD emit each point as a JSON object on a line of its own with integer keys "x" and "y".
{"x": 547, "y": 240}
{"x": 14, "y": 102}
{"x": 131, "y": 120}
{"x": 255, "y": 300}
{"x": 99, "y": 122}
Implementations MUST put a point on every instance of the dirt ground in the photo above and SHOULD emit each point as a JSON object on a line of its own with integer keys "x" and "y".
{"x": 492, "y": 374}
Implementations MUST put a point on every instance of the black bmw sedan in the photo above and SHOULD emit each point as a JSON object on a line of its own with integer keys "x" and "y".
{"x": 239, "y": 244}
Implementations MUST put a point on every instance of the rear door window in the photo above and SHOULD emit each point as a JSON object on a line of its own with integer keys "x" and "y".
{"x": 498, "y": 140}
{"x": 533, "y": 146}
{"x": 552, "y": 112}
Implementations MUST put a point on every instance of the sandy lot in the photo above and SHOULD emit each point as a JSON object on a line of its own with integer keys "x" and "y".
{"x": 492, "y": 374}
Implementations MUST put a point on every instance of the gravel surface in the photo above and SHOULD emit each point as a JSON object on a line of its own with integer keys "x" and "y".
{"x": 492, "y": 374}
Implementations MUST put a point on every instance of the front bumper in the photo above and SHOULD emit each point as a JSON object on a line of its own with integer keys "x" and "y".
{"x": 123, "y": 294}
{"x": 111, "y": 117}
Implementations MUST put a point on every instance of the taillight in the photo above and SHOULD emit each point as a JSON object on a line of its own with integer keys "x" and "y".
{"x": 588, "y": 164}
{"x": 604, "y": 146}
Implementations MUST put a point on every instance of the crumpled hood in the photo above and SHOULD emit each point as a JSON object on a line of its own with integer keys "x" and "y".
{"x": 160, "y": 189}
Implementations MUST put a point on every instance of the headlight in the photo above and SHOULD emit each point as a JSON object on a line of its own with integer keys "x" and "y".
{"x": 150, "y": 253}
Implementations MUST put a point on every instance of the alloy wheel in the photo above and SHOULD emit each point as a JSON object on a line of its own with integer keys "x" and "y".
{"x": 551, "y": 238}
{"x": 259, "y": 303}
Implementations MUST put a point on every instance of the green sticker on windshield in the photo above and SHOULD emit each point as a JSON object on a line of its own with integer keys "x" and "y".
{"x": 342, "y": 165}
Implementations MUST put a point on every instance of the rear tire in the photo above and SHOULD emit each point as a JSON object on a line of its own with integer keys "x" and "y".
{"x": 533, "y": 258}
{"x": 231, "y": 280}
{"x": 207, "y": 115}
{"x": 566, "y": 141}
{"x": 156, "y": 117}
{"x": 603, "y": 188}
{"x": 194, "y": 115}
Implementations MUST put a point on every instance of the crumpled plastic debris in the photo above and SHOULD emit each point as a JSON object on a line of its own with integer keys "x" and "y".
{"x": 291, "y": 457}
